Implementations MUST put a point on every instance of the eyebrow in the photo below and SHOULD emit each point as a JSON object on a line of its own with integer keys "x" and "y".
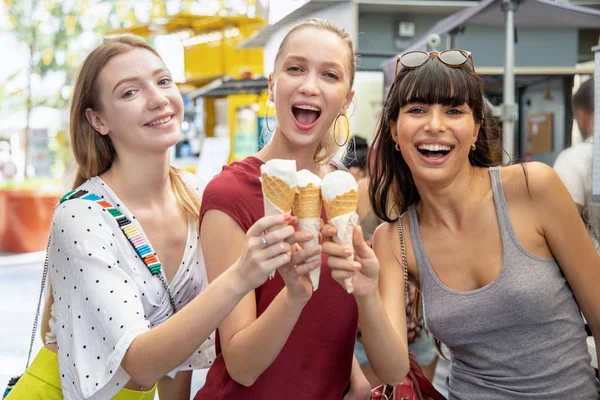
{"x": 326, "y": 63}
{"x": 135, "y": 78}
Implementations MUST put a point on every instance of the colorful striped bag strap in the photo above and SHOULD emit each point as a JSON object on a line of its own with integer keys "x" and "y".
{"x": 141, "y": 246}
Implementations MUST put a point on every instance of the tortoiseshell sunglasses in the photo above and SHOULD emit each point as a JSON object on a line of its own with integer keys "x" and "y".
{"x": 452, "y": 58}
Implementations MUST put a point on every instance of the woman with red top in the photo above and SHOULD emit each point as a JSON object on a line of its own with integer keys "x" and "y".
{"x": 282, "y": 339}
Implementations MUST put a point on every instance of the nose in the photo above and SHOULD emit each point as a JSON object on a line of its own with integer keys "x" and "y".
{"x": 156, "y": 98}
{"x": 435, "y": 123}
{"x": 310, "y": 85}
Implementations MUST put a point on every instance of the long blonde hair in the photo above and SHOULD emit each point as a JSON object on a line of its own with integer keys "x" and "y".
{"x": 95, "y": 153}
{"x": 338, "y": 132}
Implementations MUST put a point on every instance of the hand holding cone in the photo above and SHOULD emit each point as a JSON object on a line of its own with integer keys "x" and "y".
{"x": 278, "y": 179}
{"x": 340, "y": 196}
{"x": 307, "y": 207}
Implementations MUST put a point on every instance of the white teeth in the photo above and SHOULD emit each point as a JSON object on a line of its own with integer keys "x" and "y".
{"x": 160, "y": 121}
{"x": 310, "y": 108}
{"x": 434, "y": 147}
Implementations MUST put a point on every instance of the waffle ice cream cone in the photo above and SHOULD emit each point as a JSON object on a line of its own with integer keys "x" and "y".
{"x": 307, "y": 202}
{"x": 340, "y": 196}
{"x": 278, "y": 179}
{"x": 278, "y": 192}
{"x": 307, "y": 207}
{"x": 341, "y": 204}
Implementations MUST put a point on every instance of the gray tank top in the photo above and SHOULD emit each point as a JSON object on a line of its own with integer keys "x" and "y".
{"x": 519, "y": 337}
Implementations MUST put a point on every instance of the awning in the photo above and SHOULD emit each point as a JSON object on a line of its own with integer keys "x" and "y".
{"x": 260, "y": 38}
{"x": 529, "y": 14}
{"x": 226, "y": 86}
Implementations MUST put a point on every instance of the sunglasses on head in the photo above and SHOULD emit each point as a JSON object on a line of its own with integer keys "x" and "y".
{"x": 452, "y": 58}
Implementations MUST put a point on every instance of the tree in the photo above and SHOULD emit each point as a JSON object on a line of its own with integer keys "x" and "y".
{"x": 54, "y": 31}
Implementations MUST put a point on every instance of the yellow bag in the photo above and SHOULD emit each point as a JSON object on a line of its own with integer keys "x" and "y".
{"x": 42, "y": 381}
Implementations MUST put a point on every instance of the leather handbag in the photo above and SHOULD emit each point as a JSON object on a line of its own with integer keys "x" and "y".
{"x": 415, "y": 386}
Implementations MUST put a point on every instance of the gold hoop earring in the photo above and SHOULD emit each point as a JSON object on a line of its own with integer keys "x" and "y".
{"x": 267, "y": 117}
{"x": 397, "y": 146}
{"x": 473, "y": 147}
{"x": 347, "y": 132}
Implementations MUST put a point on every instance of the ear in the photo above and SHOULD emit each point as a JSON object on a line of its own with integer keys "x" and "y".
{"x": 271, "y": 88}
{"x": 349, "y": 99}
{"x": 393, "y": 131}
{"x": 476, "y": 132}
{"x": 96, "y": 121}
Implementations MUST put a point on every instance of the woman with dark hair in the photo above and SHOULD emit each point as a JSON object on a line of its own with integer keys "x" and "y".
{"x": 499, "y": 253}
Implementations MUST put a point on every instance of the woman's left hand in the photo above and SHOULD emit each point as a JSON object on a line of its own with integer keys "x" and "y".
{"x": 364, "y": 270}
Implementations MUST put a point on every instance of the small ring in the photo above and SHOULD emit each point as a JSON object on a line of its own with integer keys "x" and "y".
{"x": 264, "y": 240}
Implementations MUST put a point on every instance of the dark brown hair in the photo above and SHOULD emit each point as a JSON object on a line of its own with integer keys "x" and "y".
{"x": 584, "y": 97}
{"x": 391, "y": 187}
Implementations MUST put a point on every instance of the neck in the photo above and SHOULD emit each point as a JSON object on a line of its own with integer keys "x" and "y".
{"x": 280, "y": 147}
{"x": 451, "y": 203}
{"x": 140, "y": 179}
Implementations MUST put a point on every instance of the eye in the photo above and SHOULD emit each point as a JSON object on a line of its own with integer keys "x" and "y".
{"x": 416, "y": 110}
{"x": 294, "y": 69}
{"x": 128, "y": 94}
{"x": 331, "y": 75}
{"x": 164, "y": 81}
{"x": 455, "y": 111}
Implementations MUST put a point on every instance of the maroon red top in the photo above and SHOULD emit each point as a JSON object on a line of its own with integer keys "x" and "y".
{"x": 316, "y": 361}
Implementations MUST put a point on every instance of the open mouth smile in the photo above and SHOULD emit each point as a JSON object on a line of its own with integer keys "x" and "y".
{"x": 306, "y": 115}
{"x": 434, "y": 153}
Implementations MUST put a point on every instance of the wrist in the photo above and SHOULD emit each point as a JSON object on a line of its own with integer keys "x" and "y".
{"x": 296, "y": 302}
{"x": 369, "y": 301}
{"x": 235, "y": 282}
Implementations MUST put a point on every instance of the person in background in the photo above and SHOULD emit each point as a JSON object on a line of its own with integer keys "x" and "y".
{"x": 356, "y": 157}
{"x": 284, "y": 340}
{"x": 574, "y": 165}
{"x": 129, "y": 308}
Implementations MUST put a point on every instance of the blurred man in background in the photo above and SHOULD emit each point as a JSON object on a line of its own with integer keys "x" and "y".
{"x": 574, "y": 165}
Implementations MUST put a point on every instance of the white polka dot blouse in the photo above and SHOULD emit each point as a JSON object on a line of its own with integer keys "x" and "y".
{"x": 104, "y": 294}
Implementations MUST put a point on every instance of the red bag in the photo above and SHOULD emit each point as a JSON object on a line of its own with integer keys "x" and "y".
{"x": 414, "y": 387}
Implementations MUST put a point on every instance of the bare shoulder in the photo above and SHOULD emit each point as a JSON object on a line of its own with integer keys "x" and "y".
{"x": 534, "y": 180}
{"x": 385, "y": 233}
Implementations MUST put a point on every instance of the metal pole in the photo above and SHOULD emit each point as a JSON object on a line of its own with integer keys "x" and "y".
{"x": 508, "y": 112}
{"x": 451, "y": 41}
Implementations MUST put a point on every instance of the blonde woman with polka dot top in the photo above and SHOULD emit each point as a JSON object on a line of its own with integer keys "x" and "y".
{"x": 129, "y": 308}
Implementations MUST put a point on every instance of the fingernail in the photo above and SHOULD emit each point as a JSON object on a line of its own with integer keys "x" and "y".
{"x": 348, "y": 252}
{"x": 318, "y": 249}
{"x": 308, "y": 235}
{"x": 356, "y": 265}
{"x": 287, "y": 217}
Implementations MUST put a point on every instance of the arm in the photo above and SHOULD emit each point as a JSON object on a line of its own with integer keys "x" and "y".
{"x": 177, "y": 388}
{"x": 249, "y": 344}
{"x": 360, "y": 388}
{"x": 185, "y": 331}
{"x": 384, "y": 338}
{"x": 363, "y": 205}
{"x": 568, "y": 241}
